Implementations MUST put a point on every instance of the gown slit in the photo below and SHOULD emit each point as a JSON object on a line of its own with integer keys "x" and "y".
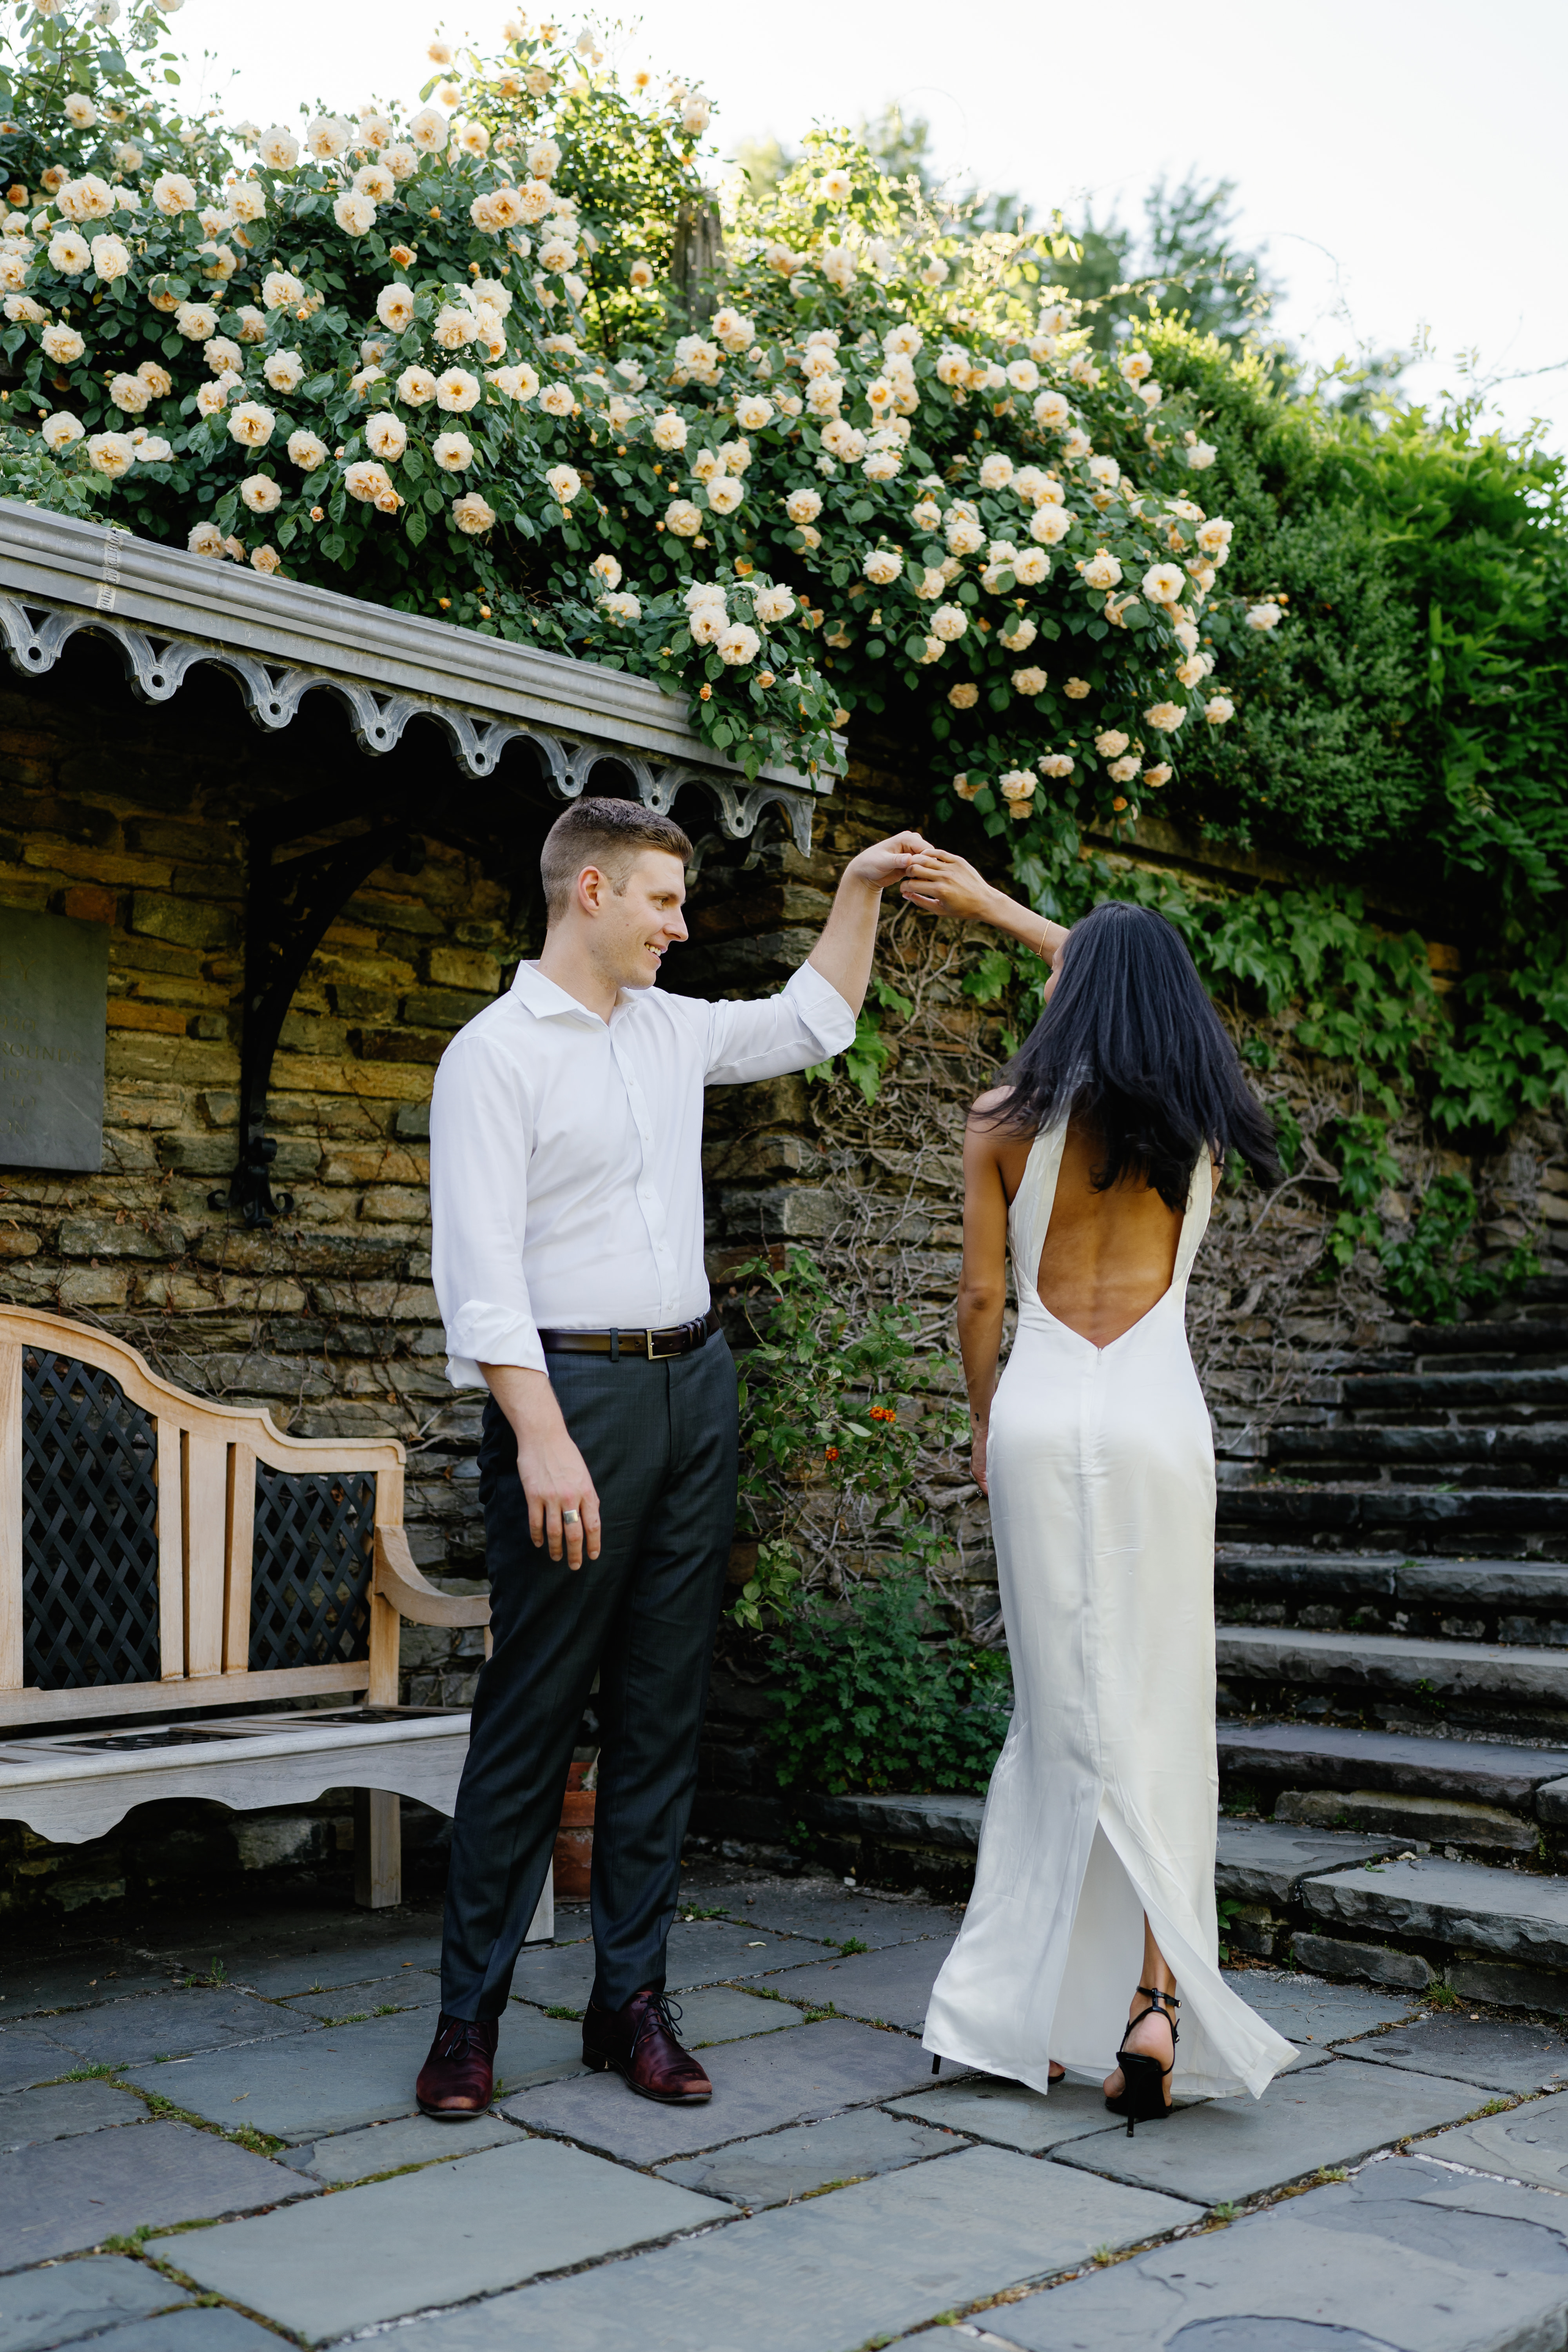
{"x": 1103, "y": 1804}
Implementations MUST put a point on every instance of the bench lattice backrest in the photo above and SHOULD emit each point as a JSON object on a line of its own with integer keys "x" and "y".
{"x": 159, "y": 1551}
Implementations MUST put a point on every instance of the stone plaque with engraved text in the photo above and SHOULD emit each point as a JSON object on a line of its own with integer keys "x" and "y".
{"x": 54, "y": 989}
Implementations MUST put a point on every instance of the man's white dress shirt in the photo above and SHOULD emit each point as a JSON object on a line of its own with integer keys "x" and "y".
{"x": 565, "y": 1155}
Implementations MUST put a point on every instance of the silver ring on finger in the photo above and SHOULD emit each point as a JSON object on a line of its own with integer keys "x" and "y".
{"x": 570, "y": 1518}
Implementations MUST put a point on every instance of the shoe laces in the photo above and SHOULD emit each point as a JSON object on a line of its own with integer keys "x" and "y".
{"x": 659, "y": 2007}
{"x": 460, "y": 2037}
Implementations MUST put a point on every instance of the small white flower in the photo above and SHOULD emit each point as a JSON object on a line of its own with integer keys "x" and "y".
{"x": 205, "y": 539}
{"x": 213, "y": 398}
{"x": 565, "y": 483}
{"x": 1028, "y": 681}
{"x": 283, "y": 370}
{"x": 395, "y": 305}
{"x": 429, "y": 129}
{"x": 129, "y": 393}
{"x": 282, "y": 290}
{"x": 260, "y": 493}
{"x": 307, "y": 451}
{"x": 79, "y": 111}
{"x": 1112, "y": 742}
{"x": 882, "y": 566}
{"x": 948, "y": 623}
{"x": 327, "y": 136}
{"x": 1200, "y": 454}
{"x": 62, "y": 343}
{"x": 60, "y": 430}
{"x": 453, "y": 452}
{"x": 738, "y": 645}
{"x": 1168, "y": 716}
{"x": 1052, "y": 413}
{"x": 683, "y": 519}
{"x": 773, "y": 605}
{"x": 724, "y": 494}
{"x": 1023, "y": 374}
{"x": 1135, "y": 365}
{"x": 111, "y": 258}
{"x": 1215, "y": 536}
{"x": 376, "y": 182}
{"x": 354, "y": 214}
{"x": 69, "y": 253}
{"x": 803, "y": 505}
{"x": 197, "y": 322}
{"x": 557, "y": 400}
{"x": 1163, "y": 583}
{"x": 1264, "y": 616}
{"x": 753, "y": 412}
{"x": 1218, "y": 708}
{"x": 1121, "y": 771}
{"x": 668, "y": 430}
{"x": 1056, "y": 763}
{"x": 996, "y": 471}
{"x": 1103, "y": 571}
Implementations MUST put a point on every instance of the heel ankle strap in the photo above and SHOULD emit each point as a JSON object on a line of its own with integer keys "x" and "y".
{"x": 1160, "y": 1999}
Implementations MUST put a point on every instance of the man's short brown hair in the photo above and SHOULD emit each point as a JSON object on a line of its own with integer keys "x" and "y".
{"x": 610, "y": 834}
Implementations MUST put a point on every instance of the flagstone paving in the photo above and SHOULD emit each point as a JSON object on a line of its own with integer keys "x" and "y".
{"x": 830, "y": 2194}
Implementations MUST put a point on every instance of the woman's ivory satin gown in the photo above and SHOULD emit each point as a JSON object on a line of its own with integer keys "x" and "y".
{"x": 1104, "y": 1801}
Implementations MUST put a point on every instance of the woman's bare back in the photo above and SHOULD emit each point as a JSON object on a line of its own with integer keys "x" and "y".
{"x": 1108, "y": 1257}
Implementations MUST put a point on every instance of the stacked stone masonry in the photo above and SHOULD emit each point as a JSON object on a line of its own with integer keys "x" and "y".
{"x": 133, "y": 818}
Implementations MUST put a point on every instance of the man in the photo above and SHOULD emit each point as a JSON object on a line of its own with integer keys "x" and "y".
{"x": 565, "y": 1188}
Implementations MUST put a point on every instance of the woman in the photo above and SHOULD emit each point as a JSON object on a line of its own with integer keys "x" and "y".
{"x": 1097, "y": 1162}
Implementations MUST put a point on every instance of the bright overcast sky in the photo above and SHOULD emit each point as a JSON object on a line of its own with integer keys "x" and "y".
{"x": 1404, "y": 160}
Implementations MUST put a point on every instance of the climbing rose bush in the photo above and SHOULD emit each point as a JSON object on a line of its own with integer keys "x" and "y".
{"x": 440, "y": 361}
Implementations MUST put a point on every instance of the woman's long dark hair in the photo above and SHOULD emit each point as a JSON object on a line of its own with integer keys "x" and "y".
{"x": 1130, "y": 1045}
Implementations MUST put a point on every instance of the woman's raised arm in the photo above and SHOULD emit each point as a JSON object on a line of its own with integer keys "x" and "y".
{"x": 943, "y": 884}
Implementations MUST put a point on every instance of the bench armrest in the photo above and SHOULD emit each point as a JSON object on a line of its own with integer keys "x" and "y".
{"x": 399, "y": 1583}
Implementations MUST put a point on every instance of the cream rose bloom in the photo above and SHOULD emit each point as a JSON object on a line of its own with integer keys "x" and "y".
{"x": 605, "y": 568}
{"x": 395, "y": 305}
{"x": 882, "y": 566}
{"x": 283, "y": 370}
{"x": 1166, "y": 717}
{"x": 1049, "y": 525}
{"x": 996, "y": 471}
{"x": 386, "y": 436}
{"x": 1121, "y": 771}
{"x": 69, "y": 253}
{"x": 964, "y": 697}
{"x": 724, "y": 494}
{"x": 557, "y": 400}
{"x": 152, "y": 449}
{"x": 1111, "y": 743}
{"x": 327, "y": 136}
{"x": 429, "y": 129}
{"x": 376, "y": 182}
{"x": 79, "y": 111}
{"x": 1077, "y": 689}
{"x": 354, "y": 214}
{"x": 63, "y": 344}
{"x": 1159, "y": 774}
{"x": 212, "y": 398}
{"x": 129, "y": 393}
{"x": 1028, "y": 681}
{"x": 803, "y": 505}
{"x": 368, "y": 482}
{"x": 91, "y": 197}
{"x": 1264, "y": 616}
{"x": 1163, "y": 583}
{"x": 416, "y": 385}
{"x": 565, "y": 483}
{"x": 773, "y": 605}
{"x": 1020, "y": 635}
{"x": 753, "y": 412}
{"x": 282, "y": 290}
{"x": 111, "y": 258}
{"x": 1214, "y": 537}
{"x": 948, "y": 623}
{"x": 1218, "y": 708}
{"x": 307, "y": 451}
{"x": 668, "y": 430}
{"x": 1051, "y": 413}
{"x": 205, "y": 539}
{"x": 455, "y": 326}
{"x": 279, "y": 148}
{"x": 456, "y": 391}
{"x": 1200, "y": 454}
{"x": 683, "y": 519}
{"x": 1056, "y": 763}
{"x": 251, "y": 425}
{"x": 519, "y": 383}
{"x": 453, "y": 452}
{"x": 1102, "y": 572}
{"x": 1031, "y": 567}
{"x": 1018, "y": 785}
{"x": 260, "y": 493}
{"x": 472, "y": 514}
{"x": 739, "y": 645}
{"x": 112, "y": 454}
{"x": 61, "y": 430}
{"x": 197, "y": 322}
{"x": 173, "y": 193}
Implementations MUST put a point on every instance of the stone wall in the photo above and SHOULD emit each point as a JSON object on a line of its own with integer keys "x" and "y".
{"x": 133, "y": 817}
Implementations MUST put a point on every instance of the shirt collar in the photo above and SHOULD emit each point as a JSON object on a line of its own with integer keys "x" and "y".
{"x": 546, "y": 1001}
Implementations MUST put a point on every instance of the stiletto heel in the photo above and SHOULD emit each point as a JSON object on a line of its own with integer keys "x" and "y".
{"x": 1141, "y": 2098}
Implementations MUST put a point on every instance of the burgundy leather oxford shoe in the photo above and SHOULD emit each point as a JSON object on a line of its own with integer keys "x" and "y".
{"x": 639, "y": 2043}
{"x": 455, "y": 2080}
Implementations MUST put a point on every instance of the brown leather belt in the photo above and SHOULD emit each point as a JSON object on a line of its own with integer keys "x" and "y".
{"x": 644, "y": 1347}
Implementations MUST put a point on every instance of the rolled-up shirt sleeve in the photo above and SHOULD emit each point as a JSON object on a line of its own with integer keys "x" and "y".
{"x": 481, "y": 1139}
{"x": 768, "y": 1035}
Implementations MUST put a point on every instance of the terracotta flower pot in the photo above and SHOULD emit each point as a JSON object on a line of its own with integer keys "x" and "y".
{"x": 574, "y": 1839}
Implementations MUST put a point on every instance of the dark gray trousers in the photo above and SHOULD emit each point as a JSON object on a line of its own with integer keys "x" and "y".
{"x": 661, "y": 1442}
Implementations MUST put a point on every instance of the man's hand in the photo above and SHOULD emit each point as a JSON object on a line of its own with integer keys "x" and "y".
{"x": 563, "y": 1504}
{"x": 843, "y": 954}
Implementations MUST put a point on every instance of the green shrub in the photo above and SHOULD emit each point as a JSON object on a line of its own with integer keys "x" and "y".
{"x": 870, "y": 1697}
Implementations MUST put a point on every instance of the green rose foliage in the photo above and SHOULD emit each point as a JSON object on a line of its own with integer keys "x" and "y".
{"x": 446, "y": 361}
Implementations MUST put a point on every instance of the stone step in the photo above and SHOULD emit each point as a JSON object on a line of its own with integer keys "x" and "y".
{"x": 1441, "y": 1392}
{"x": 1494, "y": 1934}
{"x": 1333, "y": 1758}
{"x": 1542, "y": 1333}
{"x": 1372, "y": 1511}
{"x": 1432, "y": 1673}
{"x": 1259, "y": 1572}
{"x": 1539, "y": 1447}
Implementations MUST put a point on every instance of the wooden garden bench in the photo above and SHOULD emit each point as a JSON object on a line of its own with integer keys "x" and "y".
{"x": 165, "y": 1560}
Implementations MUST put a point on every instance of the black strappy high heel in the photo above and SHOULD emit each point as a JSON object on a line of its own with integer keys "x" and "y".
{"x": 1141, "y": 2098}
